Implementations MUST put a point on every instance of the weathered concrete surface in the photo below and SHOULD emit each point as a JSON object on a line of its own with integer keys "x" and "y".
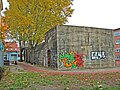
{"x": 96, "y": 44}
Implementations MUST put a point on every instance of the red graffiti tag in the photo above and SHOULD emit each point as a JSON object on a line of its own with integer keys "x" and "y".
{"x": 79, "y": 58}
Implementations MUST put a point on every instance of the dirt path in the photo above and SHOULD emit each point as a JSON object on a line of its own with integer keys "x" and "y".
{"x": 31, "y": 68}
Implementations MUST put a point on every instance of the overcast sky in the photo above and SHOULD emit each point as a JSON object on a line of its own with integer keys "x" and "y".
{"x": 95, "y": 13}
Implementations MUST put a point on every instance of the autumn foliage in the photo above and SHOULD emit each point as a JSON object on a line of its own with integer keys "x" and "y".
{"x": 3, "y": 30}
{"x": 29, "y": 20}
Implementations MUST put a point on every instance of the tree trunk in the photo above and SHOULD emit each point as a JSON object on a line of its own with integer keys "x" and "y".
{"x": 20, "y": 51}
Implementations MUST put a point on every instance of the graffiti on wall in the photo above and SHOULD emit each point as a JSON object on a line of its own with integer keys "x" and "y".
{"x": 96, "y": 55}
{"x": 72, "y": 60}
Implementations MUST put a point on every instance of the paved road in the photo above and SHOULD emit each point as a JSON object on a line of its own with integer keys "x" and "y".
{"x": 32, "y": 68}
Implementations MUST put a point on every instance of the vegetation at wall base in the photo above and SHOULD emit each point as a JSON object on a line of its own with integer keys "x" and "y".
{"x": 1, "y": 72}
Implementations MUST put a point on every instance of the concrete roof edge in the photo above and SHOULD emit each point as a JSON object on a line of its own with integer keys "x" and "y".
{"x": 86, "y": 27}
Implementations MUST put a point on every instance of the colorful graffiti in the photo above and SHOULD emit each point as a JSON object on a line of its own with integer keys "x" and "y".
{"x": 72, "y": 60}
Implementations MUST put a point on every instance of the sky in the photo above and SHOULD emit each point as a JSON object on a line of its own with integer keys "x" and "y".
{"x": 94, "y": 13}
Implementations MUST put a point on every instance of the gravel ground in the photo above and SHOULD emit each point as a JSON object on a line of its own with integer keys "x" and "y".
{"x": 33, "y": 68}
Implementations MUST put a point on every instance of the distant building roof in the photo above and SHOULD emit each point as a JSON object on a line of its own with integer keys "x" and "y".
{"x": 12, "y": 47}
{"x": 116, "y": 29}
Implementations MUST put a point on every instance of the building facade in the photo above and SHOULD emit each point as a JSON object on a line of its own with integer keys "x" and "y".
{"x": 11, "y": 52}
{"x": 67, "y": 47}
{"x": 116, "y": 34}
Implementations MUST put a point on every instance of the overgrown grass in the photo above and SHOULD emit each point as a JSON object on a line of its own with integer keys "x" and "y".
{"x": 1, "y": 69}
{"x": 30, "y": 81}
{"x": 1, "y": 72}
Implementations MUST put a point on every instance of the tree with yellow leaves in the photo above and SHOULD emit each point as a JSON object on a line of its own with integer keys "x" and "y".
{"x": 3, "y": 30}
{"x": 29, "y": 20}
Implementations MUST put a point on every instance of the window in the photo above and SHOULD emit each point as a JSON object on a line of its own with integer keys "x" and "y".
{"x": 5, "y": 57}
{"x": 118, "y": 41}
{"x": 117, "y": 49}
{"x": 116, "y": 33}
{"x": 118, "y": 57}
{"x": 14, "y": 55}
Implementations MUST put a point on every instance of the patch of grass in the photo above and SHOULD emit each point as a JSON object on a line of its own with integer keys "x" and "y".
{"x": 1, "y": 72}
{"x": 1, "y": 69}
{"x": 27, "y": 80}
{"x": 97, "y": 88}
{"x": 19, "y": 70}
{"x": 23, "y": 80}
